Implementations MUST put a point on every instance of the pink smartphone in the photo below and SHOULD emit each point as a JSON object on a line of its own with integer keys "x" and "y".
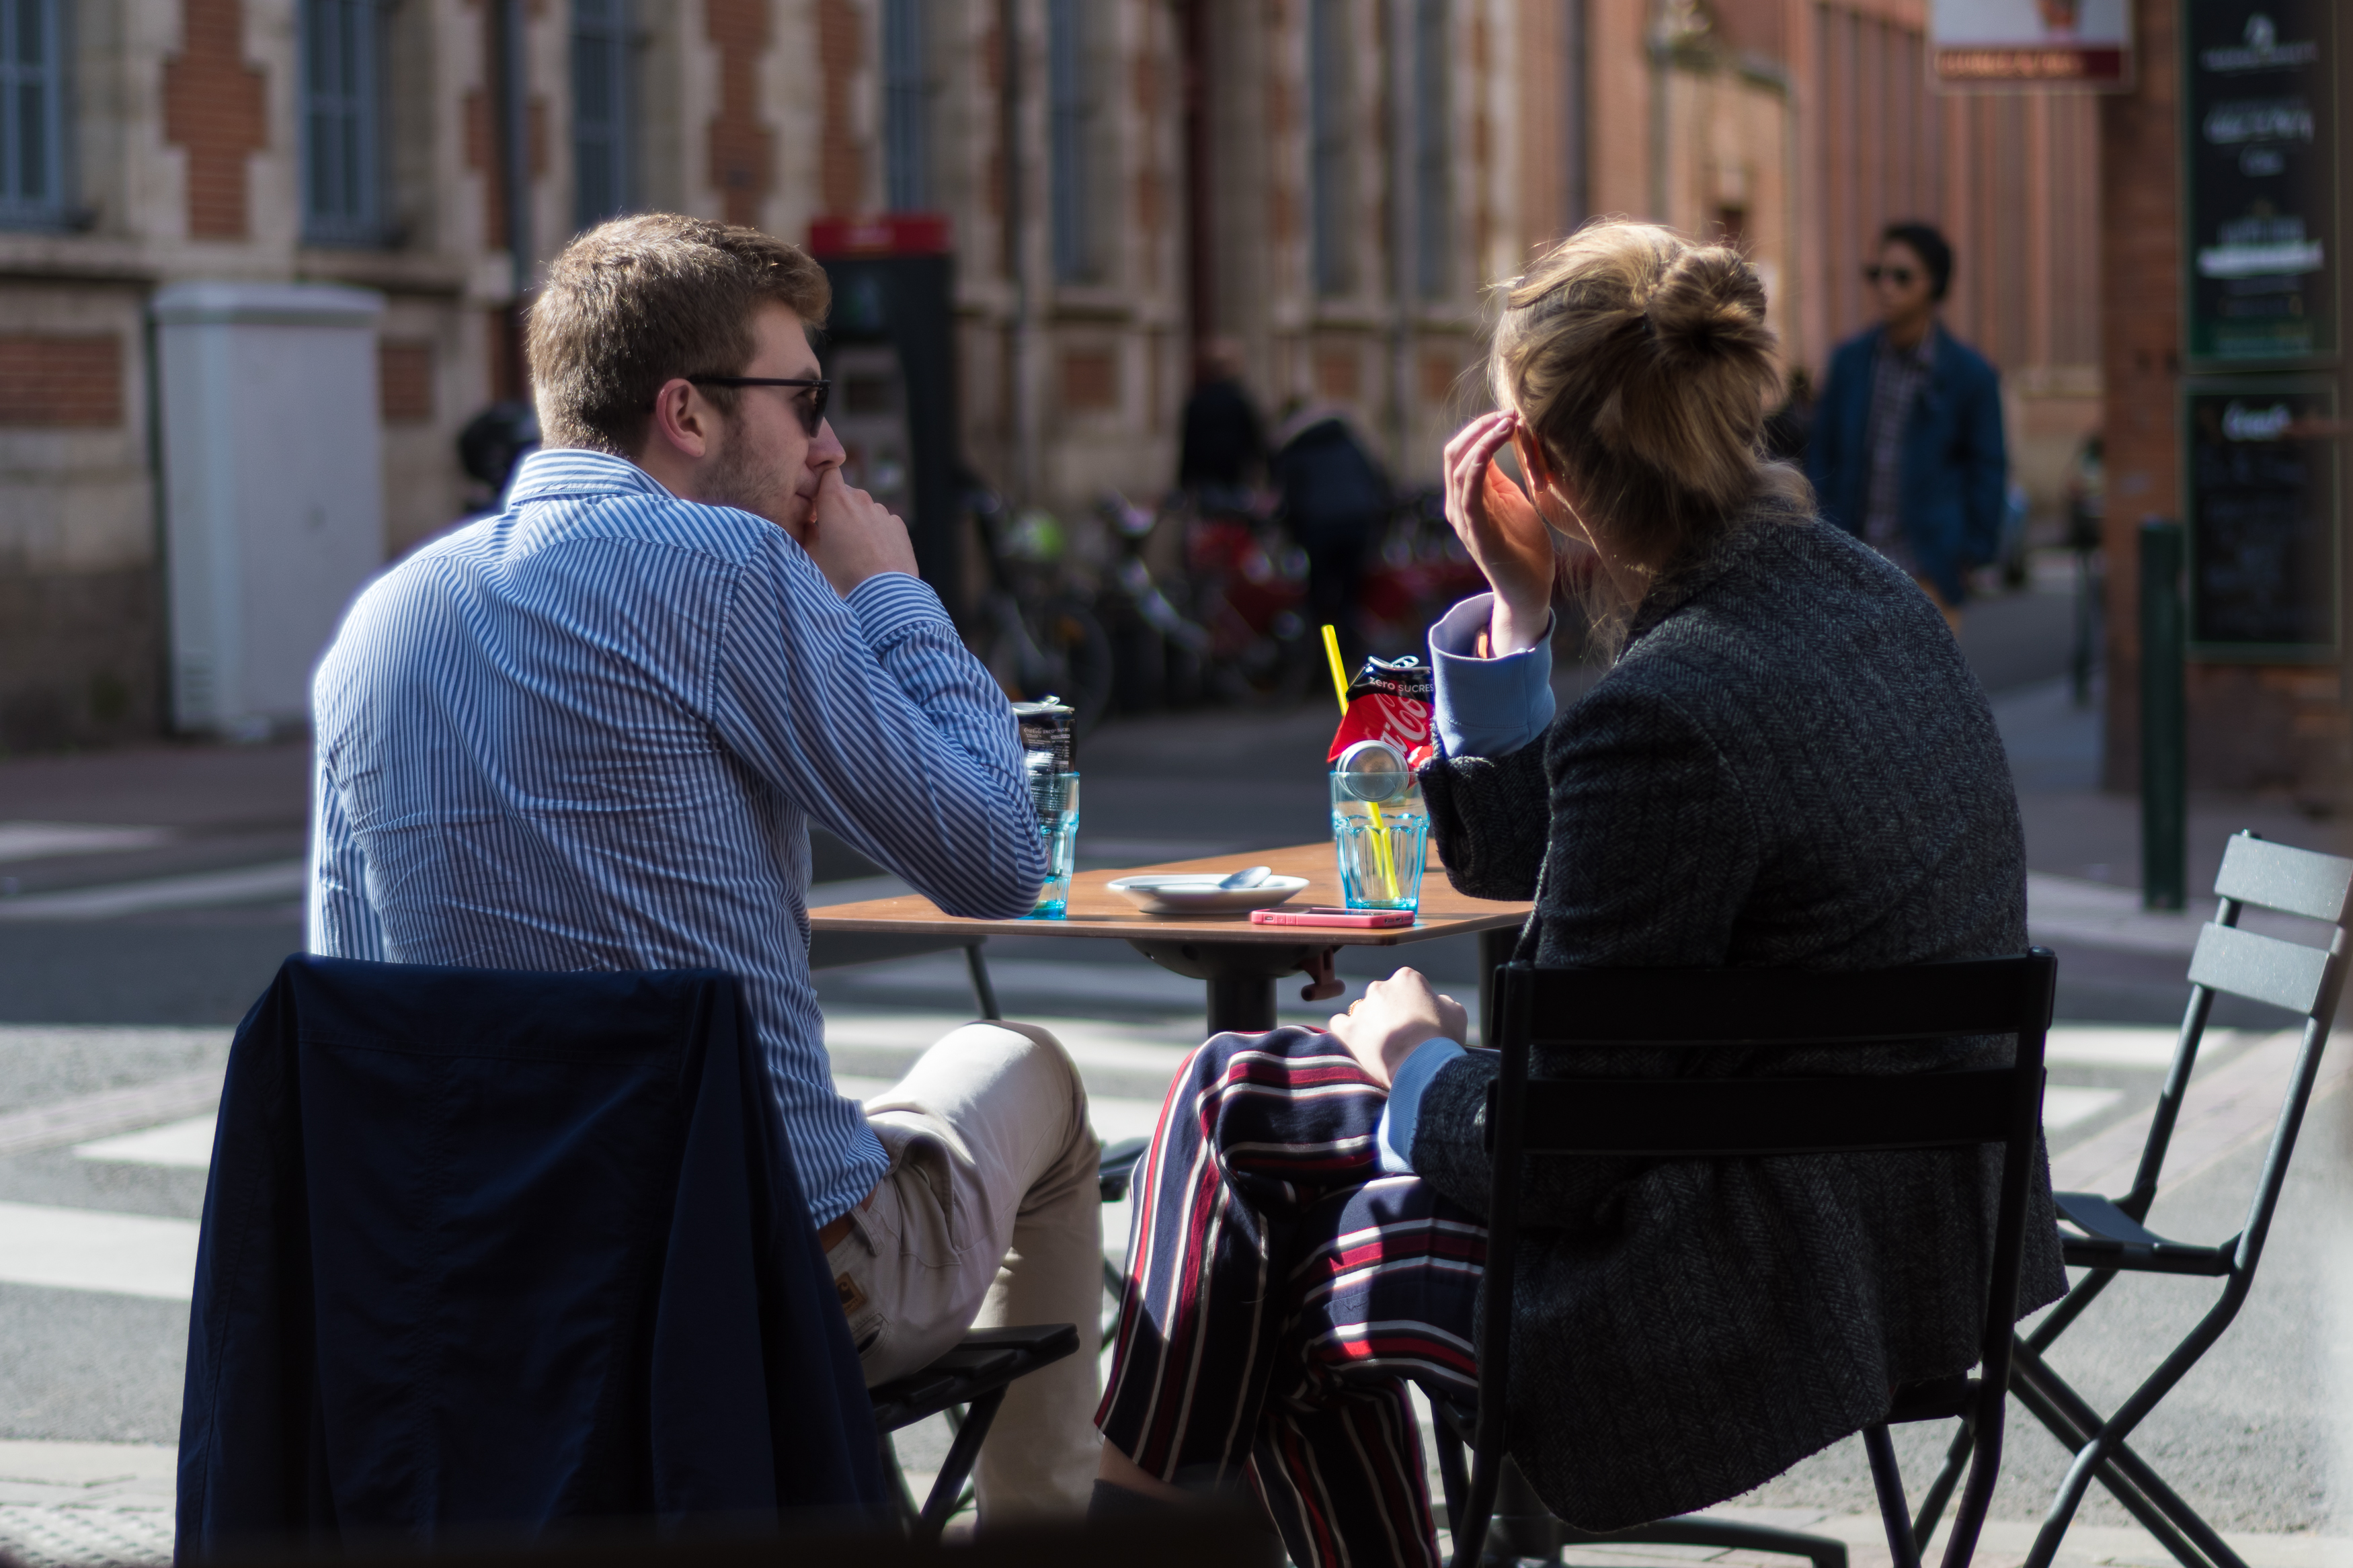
{"x": 1354, "y": 920}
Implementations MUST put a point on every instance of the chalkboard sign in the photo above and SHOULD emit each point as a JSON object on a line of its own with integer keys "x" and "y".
{"x": 2261, "y": 133}
{"x": 2262, "y": 461}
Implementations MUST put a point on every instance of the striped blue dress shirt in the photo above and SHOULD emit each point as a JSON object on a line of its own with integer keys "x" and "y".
{"x": 591, "y": 732}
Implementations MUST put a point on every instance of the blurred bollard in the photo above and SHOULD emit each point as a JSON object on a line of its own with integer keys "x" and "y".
{"x": 2087, "y": 513}
{"x": 2163, "y": 724}
{"x": 2085, "y": 652}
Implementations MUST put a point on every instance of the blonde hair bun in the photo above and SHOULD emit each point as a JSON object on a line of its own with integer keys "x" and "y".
{"x": 1643, "y": 363}
{"x": 1710, "y": 303}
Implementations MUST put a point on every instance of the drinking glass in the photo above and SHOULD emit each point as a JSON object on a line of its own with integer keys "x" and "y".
{"x": 1380, "y": 829}
{"x": 1056, "y": 797}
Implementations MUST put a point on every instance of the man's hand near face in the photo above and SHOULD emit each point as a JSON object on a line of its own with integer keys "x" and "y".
{"x": 852, "y": 536}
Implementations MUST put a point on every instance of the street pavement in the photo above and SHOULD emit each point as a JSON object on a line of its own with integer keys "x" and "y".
{"x": 145, "y": 897}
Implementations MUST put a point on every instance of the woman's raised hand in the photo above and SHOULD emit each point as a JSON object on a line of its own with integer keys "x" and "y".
{"x": 1502, "y": 528}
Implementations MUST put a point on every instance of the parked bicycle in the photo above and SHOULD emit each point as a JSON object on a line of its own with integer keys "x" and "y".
{"x": 1160, "y": 654}
{"x": 1037, "y": 633}
{"x": 1250, "y": 590}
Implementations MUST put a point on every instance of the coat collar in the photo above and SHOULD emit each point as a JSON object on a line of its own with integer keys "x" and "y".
{"x": 1729, "y": 546}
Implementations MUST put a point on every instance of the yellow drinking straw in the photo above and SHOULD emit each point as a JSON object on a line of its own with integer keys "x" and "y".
{"x": 1339, "y": 670}
{"x": 1380, "y": 833}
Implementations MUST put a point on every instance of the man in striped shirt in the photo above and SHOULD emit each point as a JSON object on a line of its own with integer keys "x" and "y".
{"x": 591, "y": 732}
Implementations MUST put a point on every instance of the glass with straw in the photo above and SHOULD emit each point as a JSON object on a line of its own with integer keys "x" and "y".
{"x": 1380, "y": 829}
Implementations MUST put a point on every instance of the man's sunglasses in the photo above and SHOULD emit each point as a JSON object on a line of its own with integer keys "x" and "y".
{"x": 812, "y": 407}
{"x": 1900, "y": 276}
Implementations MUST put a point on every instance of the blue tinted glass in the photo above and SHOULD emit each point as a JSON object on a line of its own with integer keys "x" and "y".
{"x": 322, "y": 165}
{"x": 592, "y": 83}
{"x": 339, "y": 121}
{"x": 1067, "y": 127}
{"x": 600, "y": 93}
{"x": 33, "y": 150}
{"x": 906, "y": 122}
{"x": 32, "y": 100}
{"x": 319, "y": 34}
{"x": 347, "y": 43}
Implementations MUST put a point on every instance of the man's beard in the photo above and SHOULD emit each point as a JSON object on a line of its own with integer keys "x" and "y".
{"x": 746, "y": 480}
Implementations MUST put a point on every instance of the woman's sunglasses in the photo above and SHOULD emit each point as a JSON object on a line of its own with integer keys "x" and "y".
{"x": 1900, "y": 276}
{"x": 812, "y": 407}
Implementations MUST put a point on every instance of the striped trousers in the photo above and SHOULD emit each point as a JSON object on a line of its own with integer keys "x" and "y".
{"x": 1281, "y": 1292}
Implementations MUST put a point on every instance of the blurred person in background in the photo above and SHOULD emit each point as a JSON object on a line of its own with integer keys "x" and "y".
{"x": 1221, "y": 447}
{"x": 490, "y": 448}
{"x": 1906, "y": 448}
{"x": 1335, "y": 499}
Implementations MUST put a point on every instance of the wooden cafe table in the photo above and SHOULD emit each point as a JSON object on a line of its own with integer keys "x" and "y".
{"x": 1239, "y": 962}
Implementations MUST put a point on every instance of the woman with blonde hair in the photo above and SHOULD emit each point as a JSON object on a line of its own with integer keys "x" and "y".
{"x": 1787, "y": 764}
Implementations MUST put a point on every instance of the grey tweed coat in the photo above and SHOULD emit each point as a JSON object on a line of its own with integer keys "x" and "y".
{"x": 1788, "y": 765}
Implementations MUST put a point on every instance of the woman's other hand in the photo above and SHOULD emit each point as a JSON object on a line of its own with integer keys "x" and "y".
{"x": 1502, "y": 528}
{"x": 1396, "y": 1015}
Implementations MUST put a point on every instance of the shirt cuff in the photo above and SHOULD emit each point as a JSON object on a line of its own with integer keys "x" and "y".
{"x": 1488, "y": 707}
{"x": 1394, "y": 1140}
{"x": 889, "y": 605}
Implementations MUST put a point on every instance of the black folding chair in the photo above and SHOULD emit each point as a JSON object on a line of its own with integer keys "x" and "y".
{"x": 911, "y": 1398}
{"x": 900, "y": 1404}
{"x": 1115, "y": 1172}
{"x": 1685, "y": 1119}
{"x": 2111, "y": 1237}
{"x": 968, "y": 1383}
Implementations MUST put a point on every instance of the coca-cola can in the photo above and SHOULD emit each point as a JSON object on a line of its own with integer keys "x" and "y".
{"x": 1045, "y": 727}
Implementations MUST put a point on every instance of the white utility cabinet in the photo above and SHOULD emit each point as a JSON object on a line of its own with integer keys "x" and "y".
{"x": 273, "y": 490}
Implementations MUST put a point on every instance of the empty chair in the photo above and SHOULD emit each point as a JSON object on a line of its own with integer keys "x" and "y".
{"x": 2110, "y": 1237}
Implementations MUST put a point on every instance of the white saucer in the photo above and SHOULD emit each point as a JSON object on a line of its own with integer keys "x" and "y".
{"x": 1198, "y": 894}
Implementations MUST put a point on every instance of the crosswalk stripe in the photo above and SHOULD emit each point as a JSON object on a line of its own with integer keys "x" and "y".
{"x": 109, "y": 1110}
{"x": 185, "y": 1145}
{"x": 90, "y": 1250}
{"x": 245, "y": 885}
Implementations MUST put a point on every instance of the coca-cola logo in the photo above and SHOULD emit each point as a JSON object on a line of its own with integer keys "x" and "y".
{"x": 1401, "y": 723}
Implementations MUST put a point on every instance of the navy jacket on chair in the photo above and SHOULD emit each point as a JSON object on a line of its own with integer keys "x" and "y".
{"x": 487, "y": 1249}
{"x": 1956, "y": 467}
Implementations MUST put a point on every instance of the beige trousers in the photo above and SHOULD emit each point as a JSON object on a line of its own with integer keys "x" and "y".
{"x": 988, "y": 1217}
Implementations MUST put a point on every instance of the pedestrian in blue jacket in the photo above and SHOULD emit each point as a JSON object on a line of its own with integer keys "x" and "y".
{"x": 1907, "y": 450}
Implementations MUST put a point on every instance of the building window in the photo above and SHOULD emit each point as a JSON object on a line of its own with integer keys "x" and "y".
{"x": 343, "y": 106}
{"x": 600, "y": 110}
{"x": 906, "y": 107}
{"x": 32, "y": 114}
{"x": 1331, "y": 163}
{"x": 1069, "y": 121}
{"x": 1434, "y": 189}
{"x": 1576, "y": 198}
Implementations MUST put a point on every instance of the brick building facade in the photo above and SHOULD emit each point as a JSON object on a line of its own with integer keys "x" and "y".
{"x": 1331, "y": 182}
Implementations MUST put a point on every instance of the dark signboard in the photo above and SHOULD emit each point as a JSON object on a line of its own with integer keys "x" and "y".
{"x": 2262, "y": 488}
{"x": 890, "y": 349}
{"x": 2260, "y": 127}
